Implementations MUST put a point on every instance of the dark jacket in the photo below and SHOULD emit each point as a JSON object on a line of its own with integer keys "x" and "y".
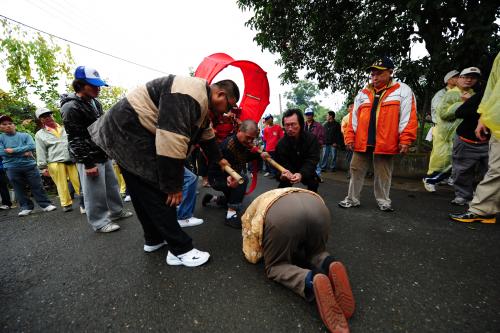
{"x": 300, "y": 155}
{"x": 235, "y": 153}
{"x": 77, "y": 115}
{"x": 468, "y": 112}
{"x": 333, "y": 133}
{"x": 317, "y": 129}
{"x": 150, "y": 132}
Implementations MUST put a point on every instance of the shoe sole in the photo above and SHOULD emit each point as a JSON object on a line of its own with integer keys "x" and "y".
{"x": 330, "y": 311}
{"x": 482, "y": 220}
{"x": 346, "y": 207}
{"x": 428, "y": 190}
{"x": 342, "y": 288}
{"x": 178, "y": 262}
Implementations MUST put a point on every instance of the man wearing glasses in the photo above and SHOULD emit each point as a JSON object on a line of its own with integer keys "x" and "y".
{"x": 150, "y": 133}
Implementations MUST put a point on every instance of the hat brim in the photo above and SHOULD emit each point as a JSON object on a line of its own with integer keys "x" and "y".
{"x": 377, "y": 67}
{"x": 96, "y": 82}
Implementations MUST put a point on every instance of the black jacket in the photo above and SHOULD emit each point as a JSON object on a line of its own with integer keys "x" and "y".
{"x": 77, "y": 115}
{"x": 333, "y": 133}
{"x": 468, "y": 112}
{"x": 300, "y": 155}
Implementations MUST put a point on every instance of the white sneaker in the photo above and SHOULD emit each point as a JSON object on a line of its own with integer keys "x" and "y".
{"x": 266, "y": 174}
{"x": 4, "y": 207}
{"x": 127, "y": 198}
{"x": 82, "y": 210}
{"x": 49, "y": 208}
{"x": 429, "y": 187}
{"x": 152, "y": 248}
{"x": 110, "y": 227}
{"x": 190, "y": 222}
{"x": 192, "y": 258}
{"x": 25, "y": 212}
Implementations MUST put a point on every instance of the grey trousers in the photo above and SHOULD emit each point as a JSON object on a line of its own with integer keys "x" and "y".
{"x": 295, "y": 234}
{"x": 465, "y": 157}
{"x": 486, "y": 200}
{"x": 382, "y": 176}
{"x": 101, "y": 195}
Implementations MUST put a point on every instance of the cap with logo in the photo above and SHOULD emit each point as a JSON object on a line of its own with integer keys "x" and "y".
{"x": 381, "y": 64}
{"x": 89, "y": 75}
{"x": 309, "y": 111}
{"x": 268, "y": 116}
{"x": 5, "y": 117}
{"x": 471, "y": 70}
{"x": 450, "y": 74}
{"x": 41, "y": 111}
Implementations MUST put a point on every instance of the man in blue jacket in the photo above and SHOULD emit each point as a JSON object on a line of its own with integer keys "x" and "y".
{"x": 16, "y": 150}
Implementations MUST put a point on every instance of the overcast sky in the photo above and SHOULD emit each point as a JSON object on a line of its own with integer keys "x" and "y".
{"x": 170, "y": 36}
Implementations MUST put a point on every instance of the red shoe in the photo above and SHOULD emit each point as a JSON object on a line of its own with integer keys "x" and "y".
{"x": 342, "y": 288}
{"x": 328, "y": 308}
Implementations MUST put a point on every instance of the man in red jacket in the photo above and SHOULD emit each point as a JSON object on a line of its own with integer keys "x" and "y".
{"x": 383, "y": 124}
{"x": 272, "y": 134}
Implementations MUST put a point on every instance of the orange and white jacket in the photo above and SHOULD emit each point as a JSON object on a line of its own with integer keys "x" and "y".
{"x": 396, "y": 119}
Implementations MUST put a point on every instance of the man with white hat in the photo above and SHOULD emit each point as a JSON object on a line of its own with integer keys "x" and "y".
{"x": 446, "y": 126}
{"x": 103, "y": 202}
{"x": 450, "y": 80}
{"x": 53, "y": 158}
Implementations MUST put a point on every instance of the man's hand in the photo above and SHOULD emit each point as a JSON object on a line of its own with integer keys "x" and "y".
{"x": 286, "y": 175}
{"x": 465, "y": 96}
{"x": 334, "y": 145}
{"x": 481, "y": 131}
{"x": 8, "y": 150}
{"x": 403, "y": 149}
{"x": 28, "y": 154}
{"x": 349, "y": 146}
{"x": 92, "y": 172}
{"x": 264, "y": 155}
{"x": 296, "y": 178}
{"x": 231, "y": 182}
{"x": 174, "y": 199}
{"x": 45, "y": 173}
{"x": 223, "y": 163}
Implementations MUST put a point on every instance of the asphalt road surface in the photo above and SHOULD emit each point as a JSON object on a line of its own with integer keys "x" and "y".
{"x": 411, "y": 271}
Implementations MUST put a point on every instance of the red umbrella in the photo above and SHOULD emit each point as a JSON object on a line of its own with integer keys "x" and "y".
{"x": 256, "y": 95}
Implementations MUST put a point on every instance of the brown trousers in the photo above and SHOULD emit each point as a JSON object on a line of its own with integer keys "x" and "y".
{"x": 382, "y": 170}
{"x": 486, "y": 201}
{"x": 295, "y": 234}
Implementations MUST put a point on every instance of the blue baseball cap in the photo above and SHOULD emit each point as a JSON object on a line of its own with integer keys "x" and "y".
{"x": 309, "y": 111}
{"x": 383, "y": 64}
{"x": 89, "y": 75}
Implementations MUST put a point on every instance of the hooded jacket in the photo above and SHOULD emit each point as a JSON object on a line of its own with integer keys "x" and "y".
{"x": 77, "y": 115}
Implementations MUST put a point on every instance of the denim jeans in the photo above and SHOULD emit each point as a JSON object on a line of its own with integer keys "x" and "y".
{"x": 19, "y": 178}
{"x": 186, "y": 208}
{"x": 329, "y": 157}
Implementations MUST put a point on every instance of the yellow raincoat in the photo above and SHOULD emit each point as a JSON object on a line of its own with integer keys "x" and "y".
{"x": 444, "y": 131}
{"x": 490, "y": 104}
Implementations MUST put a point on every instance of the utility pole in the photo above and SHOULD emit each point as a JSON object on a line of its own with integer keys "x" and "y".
{"x": 281, "y": 110}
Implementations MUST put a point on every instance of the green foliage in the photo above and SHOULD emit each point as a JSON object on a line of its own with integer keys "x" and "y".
{"x": 110, "y": 95}
{"x": 302, "y": 96}
{"x": 33, "y": 64}
{"x": 20, "y": 111}
{"x": 334, "y": 41}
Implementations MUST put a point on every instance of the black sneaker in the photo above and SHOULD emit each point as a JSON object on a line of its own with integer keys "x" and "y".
{"x": 206, "y": 199}
{"x": 67, "y": 208}
{"x": 233, "y": 222}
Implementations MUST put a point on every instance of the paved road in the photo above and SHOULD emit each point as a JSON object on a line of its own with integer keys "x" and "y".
{"x": 411, "y": 271}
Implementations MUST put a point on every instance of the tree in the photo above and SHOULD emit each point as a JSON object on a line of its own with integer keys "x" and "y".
{"x": 334, "y": 41}
{"x": 33, "y": 65}
{"x": 302, "y": 96}
{"x": 110, "y": 95}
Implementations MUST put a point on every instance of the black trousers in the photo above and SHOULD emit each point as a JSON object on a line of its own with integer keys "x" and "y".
{"x": 4, "y": 189}
{"x": 312, "y": 183}
{"x": 158, "y": 220}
